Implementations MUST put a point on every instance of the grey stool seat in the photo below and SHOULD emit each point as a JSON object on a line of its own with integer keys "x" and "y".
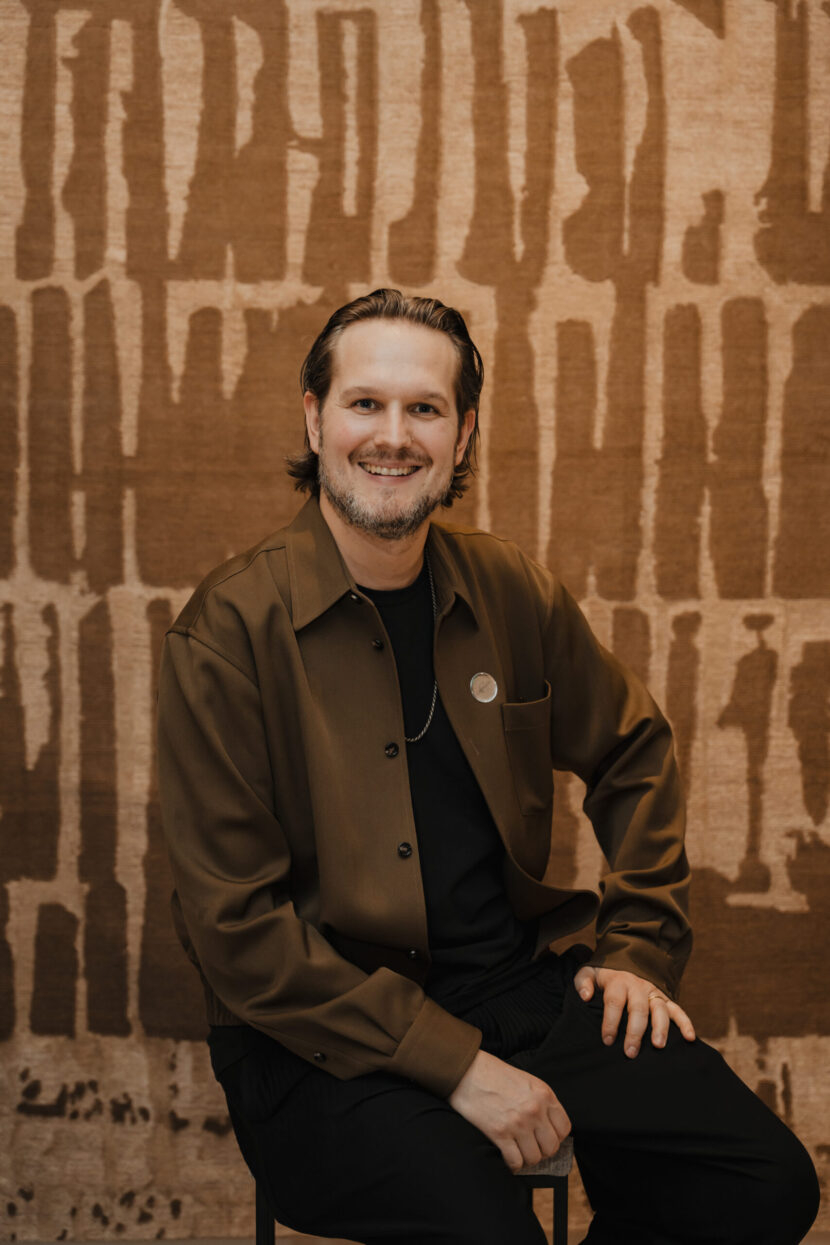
{"x": 551, "y": 1173}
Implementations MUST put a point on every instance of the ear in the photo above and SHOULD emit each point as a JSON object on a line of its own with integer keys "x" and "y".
{"x": 312, "y": 420}
{"x": 468, "y": 423}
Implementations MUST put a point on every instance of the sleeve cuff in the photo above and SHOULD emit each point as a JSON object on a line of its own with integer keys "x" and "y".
{"x": 643, "y": 958}
{"x": 436, "y": 1050}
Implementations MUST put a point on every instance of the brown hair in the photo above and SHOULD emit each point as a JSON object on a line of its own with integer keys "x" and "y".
{"x": 383, "y": 304}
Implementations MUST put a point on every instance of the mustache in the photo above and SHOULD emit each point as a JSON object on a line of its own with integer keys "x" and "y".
{"x": 386, "y": 457}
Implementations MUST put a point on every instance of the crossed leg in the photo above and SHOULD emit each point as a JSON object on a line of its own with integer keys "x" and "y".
{"x": 672, "y": 1147}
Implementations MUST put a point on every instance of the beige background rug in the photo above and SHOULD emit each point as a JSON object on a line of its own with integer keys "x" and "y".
{"x": 631, "y": 203}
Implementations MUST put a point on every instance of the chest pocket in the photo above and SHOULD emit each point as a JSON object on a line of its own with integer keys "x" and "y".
{"x": 527, "y": 735}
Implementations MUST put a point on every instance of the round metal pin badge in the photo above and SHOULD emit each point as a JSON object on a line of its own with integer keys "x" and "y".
{"x": 484, "y": 687}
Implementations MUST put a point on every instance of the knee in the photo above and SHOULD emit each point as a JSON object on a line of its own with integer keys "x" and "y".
{"x": 787, "y": 1203}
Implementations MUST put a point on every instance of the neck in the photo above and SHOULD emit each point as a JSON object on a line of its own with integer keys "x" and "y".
{"x": 373, "y": 561}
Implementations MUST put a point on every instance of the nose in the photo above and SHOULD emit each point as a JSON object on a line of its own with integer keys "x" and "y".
{"x": 393, "y": 428}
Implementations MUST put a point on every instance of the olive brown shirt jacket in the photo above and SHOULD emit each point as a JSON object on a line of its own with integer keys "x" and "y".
{"x": 284, "y": 792}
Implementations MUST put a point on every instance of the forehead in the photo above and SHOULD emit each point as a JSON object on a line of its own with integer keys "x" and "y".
{"x": 394, "y": 352}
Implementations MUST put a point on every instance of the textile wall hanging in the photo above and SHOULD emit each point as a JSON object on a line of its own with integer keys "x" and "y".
{"x": 631, "y": 204}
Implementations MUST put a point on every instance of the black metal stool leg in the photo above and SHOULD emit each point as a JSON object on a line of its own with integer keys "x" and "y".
{"x": 264, "y": 1220}
{"x": 560, "y": 1210}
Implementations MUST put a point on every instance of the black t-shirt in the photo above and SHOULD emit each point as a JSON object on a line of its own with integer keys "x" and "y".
{"x": 477, "y": 945}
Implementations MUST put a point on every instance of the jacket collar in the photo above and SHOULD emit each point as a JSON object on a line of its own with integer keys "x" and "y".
{"x": 319, "y": 577}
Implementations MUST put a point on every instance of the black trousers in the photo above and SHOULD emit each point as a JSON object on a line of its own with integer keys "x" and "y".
{"x": 672, "y": 1147}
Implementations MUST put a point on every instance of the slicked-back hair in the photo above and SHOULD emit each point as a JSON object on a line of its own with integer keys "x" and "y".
{"x": 315, "y": 376}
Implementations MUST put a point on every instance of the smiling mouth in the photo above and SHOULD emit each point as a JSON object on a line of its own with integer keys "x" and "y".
{"x": 373, "y": 470}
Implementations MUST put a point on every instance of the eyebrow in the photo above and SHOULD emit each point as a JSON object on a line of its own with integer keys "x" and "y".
{"x": 428, "y": 395}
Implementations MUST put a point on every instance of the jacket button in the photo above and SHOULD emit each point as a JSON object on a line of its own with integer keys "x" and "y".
{"x": 412, "y": 953}
{"x": 354, "y": 596}
{"x": 404, "y": 850}
{"x": 391, "y": 750}
{"x": 378, "y": 644}
{"x": 319, "y": 1056}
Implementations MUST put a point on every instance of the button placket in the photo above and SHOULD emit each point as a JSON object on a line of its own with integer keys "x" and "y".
{"x": 405, "y": 850}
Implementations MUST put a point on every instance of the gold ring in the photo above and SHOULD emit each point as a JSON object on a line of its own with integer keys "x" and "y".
{"x": 655, "y": 995}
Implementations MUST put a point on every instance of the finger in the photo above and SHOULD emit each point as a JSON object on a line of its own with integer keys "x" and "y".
{"x": 531, "y": 1154}
{"x": 659, "y": 1020}
{"x": 548, "y": 1140}
{"x": 529, "y": 1147}
{"x": 512, "y": 1155}
{"x": 584, "y": 982}
{"x": 638, "y": 1017}
{"x": 611, "y": 1015}
{"x": 682, "y": 1021}
{"x": 559, "y": 1120}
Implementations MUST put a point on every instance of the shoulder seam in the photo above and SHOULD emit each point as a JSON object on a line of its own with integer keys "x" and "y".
{"x": 231, "y": 575}
{"x": 188, "y": 633}
{"x": 551, "y": 604}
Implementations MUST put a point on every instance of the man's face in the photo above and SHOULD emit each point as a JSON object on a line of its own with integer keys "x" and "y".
{"x": 388, "y": 436}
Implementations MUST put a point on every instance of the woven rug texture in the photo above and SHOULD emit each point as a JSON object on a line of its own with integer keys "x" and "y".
{"x": 630, "y": 202}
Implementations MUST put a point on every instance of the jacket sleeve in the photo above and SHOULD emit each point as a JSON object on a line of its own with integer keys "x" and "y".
{"x": 231, "y": 866}
{"x": 607, "y": 729}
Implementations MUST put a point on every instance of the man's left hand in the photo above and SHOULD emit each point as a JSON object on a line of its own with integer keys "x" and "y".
{"x": 643, "y": 1000}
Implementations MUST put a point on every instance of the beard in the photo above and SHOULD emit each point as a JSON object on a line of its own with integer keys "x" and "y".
{"x": 379, "y": 519}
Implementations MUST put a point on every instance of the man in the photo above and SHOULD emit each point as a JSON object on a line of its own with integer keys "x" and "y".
{"x": 359, "y": 719}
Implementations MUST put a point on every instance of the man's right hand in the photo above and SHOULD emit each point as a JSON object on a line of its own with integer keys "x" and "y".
{"x": 517, "y": 1111}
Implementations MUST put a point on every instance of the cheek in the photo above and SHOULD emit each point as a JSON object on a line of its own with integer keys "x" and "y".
{"x": 338, "y": 444}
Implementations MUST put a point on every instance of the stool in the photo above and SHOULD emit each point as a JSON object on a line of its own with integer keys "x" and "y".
{"x": 551, "y": 1173}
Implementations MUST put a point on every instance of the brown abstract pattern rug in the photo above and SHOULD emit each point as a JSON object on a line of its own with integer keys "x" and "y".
{"x": 631, "y": 203}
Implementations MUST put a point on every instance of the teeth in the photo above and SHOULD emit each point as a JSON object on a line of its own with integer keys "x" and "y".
{"x": 388, "y": 471}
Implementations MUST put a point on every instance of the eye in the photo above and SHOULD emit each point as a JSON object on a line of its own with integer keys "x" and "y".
{"x": 424, "y": 408}
{"x": 364, "y": 404}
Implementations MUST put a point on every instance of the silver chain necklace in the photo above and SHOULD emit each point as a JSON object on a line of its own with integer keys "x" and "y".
{"x": 414, "y": 738}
